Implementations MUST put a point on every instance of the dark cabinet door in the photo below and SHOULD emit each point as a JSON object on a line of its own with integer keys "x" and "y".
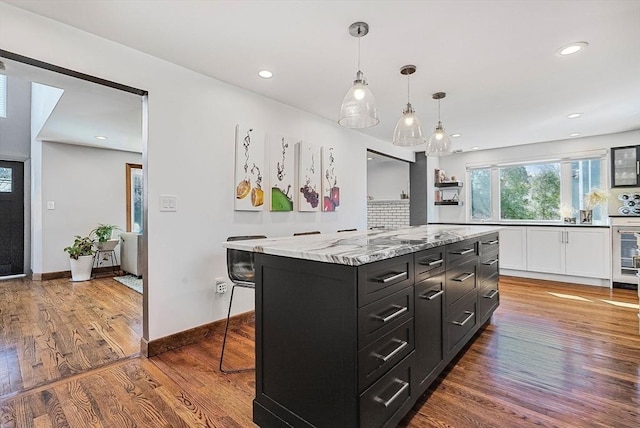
{"x": 625, "y": 166}
{"x": 428, "y": 322}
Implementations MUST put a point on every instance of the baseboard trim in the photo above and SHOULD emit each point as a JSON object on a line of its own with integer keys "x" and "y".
{"x": 193, "y": 335}
{"x": 67, "y": 273}
{"x": 598, "y": 282}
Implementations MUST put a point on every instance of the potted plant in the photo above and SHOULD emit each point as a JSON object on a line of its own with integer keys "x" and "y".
{"x": 81, "y": 258}
{"x": 102, "y": 236}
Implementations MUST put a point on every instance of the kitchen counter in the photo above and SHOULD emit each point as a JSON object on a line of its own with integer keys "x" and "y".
{"x": 531, "y": 223}
{"x": 362, "y": 247}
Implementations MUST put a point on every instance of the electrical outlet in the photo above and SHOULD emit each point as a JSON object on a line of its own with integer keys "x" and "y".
{"x": 221, "y": 285}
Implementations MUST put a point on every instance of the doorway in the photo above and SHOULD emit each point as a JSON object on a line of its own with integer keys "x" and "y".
{"x": 11, "y": 218}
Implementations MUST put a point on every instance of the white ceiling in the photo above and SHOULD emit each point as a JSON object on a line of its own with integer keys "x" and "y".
{"x": 86, "y": 110}
{"x": 496, "y": 60}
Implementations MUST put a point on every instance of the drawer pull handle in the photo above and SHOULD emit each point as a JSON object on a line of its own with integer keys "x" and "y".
{"x": 491, "y": 294}
{"x": 432, "y": 296}
{"x": 494, "y": 242}
{"x": 466, "y": 320}
{"x": 433, "y": 263}
{"x": 491, "y": 262}
{"x": 387, "y": 403}
{"x": 464, "y": 277}
{"x": 463, "y": 252}
{"x": 393, "y": 353}
{"x": 393, "y": 277}
{"x": 401, "y": 310}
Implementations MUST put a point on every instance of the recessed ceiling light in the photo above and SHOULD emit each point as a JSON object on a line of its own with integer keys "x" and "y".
{"x": 475, "y": 148}
{"x": 575, "y": 134}
{"x": 265, "y": 74}
{"x": 455, "y": 135}
{"x": 574, "y": 115}
{"x": 572, "y": 48}
{"x": 369, "y": 158}
{"x": 100, "y": 137}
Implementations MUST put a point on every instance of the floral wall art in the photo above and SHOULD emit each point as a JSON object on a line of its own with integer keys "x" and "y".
{"x": 330, "y": 189}
{"x": 282, "y": 176}
{"x": 309, "y": 176}
{"x": 249, "y": 168}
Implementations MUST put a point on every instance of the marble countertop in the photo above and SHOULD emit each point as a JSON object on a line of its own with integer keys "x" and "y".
{"x": 361, "y": 247}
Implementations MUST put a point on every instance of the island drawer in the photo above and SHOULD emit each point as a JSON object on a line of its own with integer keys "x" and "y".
{"x": 380, "y": 279}
{"x": 383, "y": 316}
{"x": 459, "y": 281}
{"x": 489, "y": 243}
{"x": 377, "y": 358}
{"x": 489, "y": 268}
{"x": 488, "y": 299}
{"x": 461, "y": 251}
{"x": 387, "y": 396}
{"x": 429, "y": 262}
{"x": 460, "y": 322}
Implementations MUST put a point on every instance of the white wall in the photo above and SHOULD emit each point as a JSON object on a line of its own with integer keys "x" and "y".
{"x": 88, "y": 187}
{"x": 387, "y": 179}
{"x": 190, "y": 154}
{"x": 15, "y": 129}
{"x": 456, "y": 164}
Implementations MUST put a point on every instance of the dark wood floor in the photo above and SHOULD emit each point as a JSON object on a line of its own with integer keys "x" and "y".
{"x": 553, "y": 355}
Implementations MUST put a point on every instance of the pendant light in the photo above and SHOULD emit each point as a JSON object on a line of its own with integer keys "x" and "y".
{"x": 408, "y": 130}
{"x": 358, "y": 108}
{"x": 439, "y": 143}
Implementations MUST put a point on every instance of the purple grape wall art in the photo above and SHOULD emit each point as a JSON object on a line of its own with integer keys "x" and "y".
{"x": 309, "y": 177}
{"x": 330, "y": 189}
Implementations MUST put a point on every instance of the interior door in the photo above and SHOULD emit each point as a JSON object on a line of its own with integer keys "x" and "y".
{"x": 11, "y": 218}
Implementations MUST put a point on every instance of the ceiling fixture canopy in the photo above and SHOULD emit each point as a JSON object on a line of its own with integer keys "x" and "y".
{"x": 439, "y": 143}
{"x": 358, "y": 108}
{"x": 408, "y": 130}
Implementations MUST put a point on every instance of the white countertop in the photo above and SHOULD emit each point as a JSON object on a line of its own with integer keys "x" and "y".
{"x": 361, "y": 247}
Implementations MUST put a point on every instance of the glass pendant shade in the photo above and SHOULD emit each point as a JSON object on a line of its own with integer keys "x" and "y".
{"x": 408, "y": 130}
{"x": 358, "y": 108}
{"x": 439, "y": 144}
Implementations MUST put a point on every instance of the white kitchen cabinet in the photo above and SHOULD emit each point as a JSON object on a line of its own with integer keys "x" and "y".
{"x": 587, "y": 252}
{"x": 513, "y": 248}
{"x": 578, "y": 251}
{"x": 545, "y": 249}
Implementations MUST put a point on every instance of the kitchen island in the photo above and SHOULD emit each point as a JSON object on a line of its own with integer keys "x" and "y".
{"x": 351, "y": 328}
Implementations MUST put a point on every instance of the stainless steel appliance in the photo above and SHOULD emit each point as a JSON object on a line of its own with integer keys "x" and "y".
{"x": 625, "y": 251}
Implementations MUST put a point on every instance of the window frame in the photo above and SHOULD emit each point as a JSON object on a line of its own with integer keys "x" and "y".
{"x": 565, "y": 182}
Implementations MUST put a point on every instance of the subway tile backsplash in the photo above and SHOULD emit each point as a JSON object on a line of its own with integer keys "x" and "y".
{"x": 387, "y": 214}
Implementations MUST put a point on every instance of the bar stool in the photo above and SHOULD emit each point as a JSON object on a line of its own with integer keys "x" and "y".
{"x": 241, "y": 270}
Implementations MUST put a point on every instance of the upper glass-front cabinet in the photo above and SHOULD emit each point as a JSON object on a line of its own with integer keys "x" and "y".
{"x": 625, "y": 166}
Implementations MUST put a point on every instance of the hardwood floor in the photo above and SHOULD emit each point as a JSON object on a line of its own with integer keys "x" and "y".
{"x": 553, "y": 355}
{"x": 55, "y": 329}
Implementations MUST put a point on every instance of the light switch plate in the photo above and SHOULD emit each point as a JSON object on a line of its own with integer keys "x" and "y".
{"x": 168, "y": 203}
{"x": 51, "y": 205}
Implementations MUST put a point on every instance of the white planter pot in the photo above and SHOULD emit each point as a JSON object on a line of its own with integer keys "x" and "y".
{"x": 81, "y": 268}
{"x": 108, "y": 245}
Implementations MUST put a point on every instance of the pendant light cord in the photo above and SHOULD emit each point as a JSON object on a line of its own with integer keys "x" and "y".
{"x": 408, "y": 88}
{"x": 359, "y": 50}
{"x": 438, "y": 110}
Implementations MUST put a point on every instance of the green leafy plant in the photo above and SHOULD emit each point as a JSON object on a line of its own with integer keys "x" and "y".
{"x": 103, "y": 232}
{"x": 82, "y": 246}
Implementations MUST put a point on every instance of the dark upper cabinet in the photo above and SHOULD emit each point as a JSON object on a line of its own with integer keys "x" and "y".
{"x": 625, "y": 166}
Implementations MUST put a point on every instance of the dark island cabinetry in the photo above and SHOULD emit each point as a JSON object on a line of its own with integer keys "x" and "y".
{"x": 355, "y": 346}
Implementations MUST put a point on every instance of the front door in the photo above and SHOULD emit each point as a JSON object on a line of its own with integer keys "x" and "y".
{"x": 11, "y": 218}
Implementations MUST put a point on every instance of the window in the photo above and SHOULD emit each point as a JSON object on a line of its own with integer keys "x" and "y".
{"x": 5, "y": 180}
{"x": 530, "y": 192}
{"x": 480, "y": 194}
{"x": 134, "y": 198}
{"x": 535, "y": 190}
{"x": 3, "y": 95}
{"x": 586, "y": 174}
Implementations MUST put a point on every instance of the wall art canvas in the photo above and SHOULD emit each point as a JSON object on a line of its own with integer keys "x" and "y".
{"x": 330, "y": 189}
{"x": 249, "y": 168}
{"x": 309, "y": 177}
{"x": 281, "y": 173}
